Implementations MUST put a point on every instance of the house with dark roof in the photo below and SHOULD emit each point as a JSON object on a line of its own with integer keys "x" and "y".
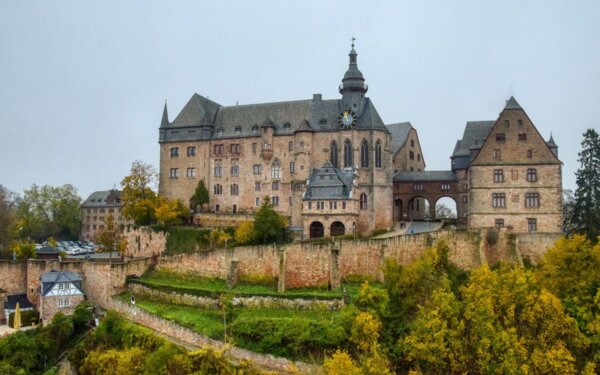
{"x": 10, "y": 304}
{"x": 60, "y": 291}
{"x": 96, "y": 208}
{"x": 406, "y": 148}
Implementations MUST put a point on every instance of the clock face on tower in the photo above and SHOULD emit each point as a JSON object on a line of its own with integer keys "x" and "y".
{"x": 347, "y": 119}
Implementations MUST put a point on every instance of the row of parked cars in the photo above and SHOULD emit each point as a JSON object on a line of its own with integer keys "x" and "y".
{"x": 73, "y": 247}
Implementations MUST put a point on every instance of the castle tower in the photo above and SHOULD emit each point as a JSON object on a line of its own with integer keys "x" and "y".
{"x": 353, "y": 87}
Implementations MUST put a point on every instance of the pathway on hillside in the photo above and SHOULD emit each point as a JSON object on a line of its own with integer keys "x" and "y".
{"x": 416, "y": 226}
{"x": 192, "y": 340}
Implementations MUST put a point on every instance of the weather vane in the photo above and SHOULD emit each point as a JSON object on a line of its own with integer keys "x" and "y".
{"x": 353, "y": 39}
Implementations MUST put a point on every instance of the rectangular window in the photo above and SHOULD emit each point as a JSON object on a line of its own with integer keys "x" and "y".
{"x": 412, "y": 143}
{"x": 520, "y": 123}
{"x": 191, "y": 172}
{"x": 292, "y": 167}
{"x": 234, "y": 189}
{"x": 532, "y": 225}
{"x": 235, "y": 168}
{"x": 522, "y": 136}
{"x": 499, "y": 223}
{"x": 411, "y": 155}
{"x": 254, "y": 148}
{"x": 257, "y": 169}
{"x": 343, "y": 205}
{"x": 498, "y": 200}
{"x": 464, "y": 199}
{"x": 418, "y": 187}
{"x": 290, "y": 145}
{"x": 498, "y": 175}
{"x": 275, "y": 201}
{"x": 191, "y": 151}
{"x": 506, "y": 123}
{"x": 532, "y": 200}
{"x": 61, "y": 286}
{"x": 309, "y": 205}
{"x": 445, "y": 186}
{"x": 236, "y": 149}
{"x": 217, "y": 208}
{"x": 531, "y": 174}
{"x": 418, "y": 158}
{"x": 301, "y": 144}
{"x": 257, "y": 185}
{"x": 219, "y": 149}
{"x": 496, "y": 153}
{"x": 275, "y": 185}
{"x": 529, "y": 154}
{"x": 500, "y": 137}
{"x": 257, "y": 202}
{"x": 174, "y": 173}
{"x": 63, "y": 302}
{"x": 174, "y": 152}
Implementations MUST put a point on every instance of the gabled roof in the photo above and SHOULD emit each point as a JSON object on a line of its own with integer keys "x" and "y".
{"x": 475, "y": 133}
{"x": 196, "y": 111}
{"x": 49, "y": 279}
{"x": 21, "y": 299}
{"x": 414, "y": 176}
{"x": 328, "y": 182}
{"x": 512, "y": 104}
{"x": 399, "y": 132}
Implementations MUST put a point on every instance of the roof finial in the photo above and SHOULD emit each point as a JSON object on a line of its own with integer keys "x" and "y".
{"x": 353, "y": 39}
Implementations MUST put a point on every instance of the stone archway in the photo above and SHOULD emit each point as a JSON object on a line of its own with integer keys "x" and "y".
{"x": 337, "y": 229}
{"x": 316, "y": 229}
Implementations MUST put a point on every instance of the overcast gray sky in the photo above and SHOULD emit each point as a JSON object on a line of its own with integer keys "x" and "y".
{"x": 82, "y": 84}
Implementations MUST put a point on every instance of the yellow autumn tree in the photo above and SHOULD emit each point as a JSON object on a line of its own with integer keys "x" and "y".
{"x": 169, "y": 211}
{"x": 244, "y": 233}
{"x": 340, "y": 363}
{"x": 111, "y": 238}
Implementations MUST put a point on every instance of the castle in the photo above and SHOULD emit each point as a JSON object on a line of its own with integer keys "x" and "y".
{"x": 333, "y": 167}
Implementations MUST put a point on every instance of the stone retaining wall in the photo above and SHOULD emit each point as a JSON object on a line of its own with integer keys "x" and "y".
{"x": 187, "y": 336}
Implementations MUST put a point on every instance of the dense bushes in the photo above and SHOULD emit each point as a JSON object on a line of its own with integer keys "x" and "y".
{"x": 120, "y": 347}
{"x": 186, "y": 240}
{"x": 27, "y": 317}
{"x": 288, "y": 337}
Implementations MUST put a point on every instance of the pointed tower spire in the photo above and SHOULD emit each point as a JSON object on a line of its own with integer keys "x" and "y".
{"x": 353, "y": 87}
{"x": 512, "y": 104}
{"x": 165, "y": 117}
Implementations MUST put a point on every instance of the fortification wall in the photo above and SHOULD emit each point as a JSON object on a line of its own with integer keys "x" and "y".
{"x": 214, "y": 220}
{"x": 13, "y": 276}
{"x": 533, "y": 245}
{"x": 144, "y": 242}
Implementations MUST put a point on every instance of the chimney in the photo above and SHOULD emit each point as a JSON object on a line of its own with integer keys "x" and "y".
{"x": 317, "y": 98}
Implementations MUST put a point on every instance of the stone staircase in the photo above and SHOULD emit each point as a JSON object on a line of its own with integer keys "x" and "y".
{"x": 232, "y": 275}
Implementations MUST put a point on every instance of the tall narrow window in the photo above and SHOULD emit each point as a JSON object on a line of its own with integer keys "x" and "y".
{"x": 235, "y": 189}
{"x": 276, "y": 170}
{"x": 532, "y": 225}
{"x": 531, "y": 174}
{"x": 348, "y": 157}
{"x": 498, "y": 175}
{"x": 333, "y": 154}
{"x": 498, "y": 200}
{"x": 364, "y": 154}
{"x": 235, "y": 168}
{"x": 363, "y": 201}
{"x": 532, "y": 200}
{"x": 378, "y": 154}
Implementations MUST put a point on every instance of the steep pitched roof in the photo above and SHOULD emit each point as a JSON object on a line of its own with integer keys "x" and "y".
{"x": 103, "y": 199}
{"x": 328, "y": 182}
{"x": 399, "y": 132}
{"x": 512, "y": 104}
{"x": 197, "y": 109}
{"x": 475, "y": 131}
{"x": 49, "y": 279}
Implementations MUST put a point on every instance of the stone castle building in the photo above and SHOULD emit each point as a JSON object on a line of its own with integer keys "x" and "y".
{"x": 333, "y": 167}
{"x": 96, "y": 208}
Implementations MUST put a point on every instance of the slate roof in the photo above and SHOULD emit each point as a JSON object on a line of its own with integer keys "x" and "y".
{"x": 415, "y": 176}
{"x": 49, "y": 279}
{"x": 103, "y": 199}
{"x": 47, "y": 250}
{"x": 329, "y": 183}
{"x": 11, "y": 302}
{"x": 551, "y": 142}
{"x": 399, "y": 133}
{"x": 475, "y": 133}
{"x": 512, "y": 104}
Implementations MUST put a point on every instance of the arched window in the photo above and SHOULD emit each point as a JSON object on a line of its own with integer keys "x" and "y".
{"x": 363, "y": 201}
{"x": 378, "y": 154}
{"x": 333, "y": 154}
{"x": 348, "y": 159}
{"x": 276, "y": 169}
{"x": 364, "y": 154}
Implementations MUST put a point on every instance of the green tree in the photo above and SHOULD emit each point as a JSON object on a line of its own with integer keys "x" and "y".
{"x": 110, "y": 238}
{"x": 139, "y": 200}
{"x": 200, "y": 197}
{"x": 586, "y": 211}
{"x": 49, "y": 211}
{"x": 7, "y": 218}
{"x": 23, "y": 249}
{"x": 269, "y": 226}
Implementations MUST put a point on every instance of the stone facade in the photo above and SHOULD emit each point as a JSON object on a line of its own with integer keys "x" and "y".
{"x": 245, "y": 153}
{"x": 50, "y": 305}
{"x": 96, "y": 208}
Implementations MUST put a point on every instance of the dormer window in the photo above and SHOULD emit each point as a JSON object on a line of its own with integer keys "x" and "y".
{"x": 220, "y": 132}
{"x": 322, "y": 121}
{"x": 238, "y": 130}
{"x": 254, "y": 129}
{"x": 287, "y": 126}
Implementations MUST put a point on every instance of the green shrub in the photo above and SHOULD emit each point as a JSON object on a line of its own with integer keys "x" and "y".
{"x": 492, "y": 236}
{"x": 295, "y": 338}
{"x": 27, "y": 317}
{"x": 186, "y": 240}
{"x": 258, "y": 279}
